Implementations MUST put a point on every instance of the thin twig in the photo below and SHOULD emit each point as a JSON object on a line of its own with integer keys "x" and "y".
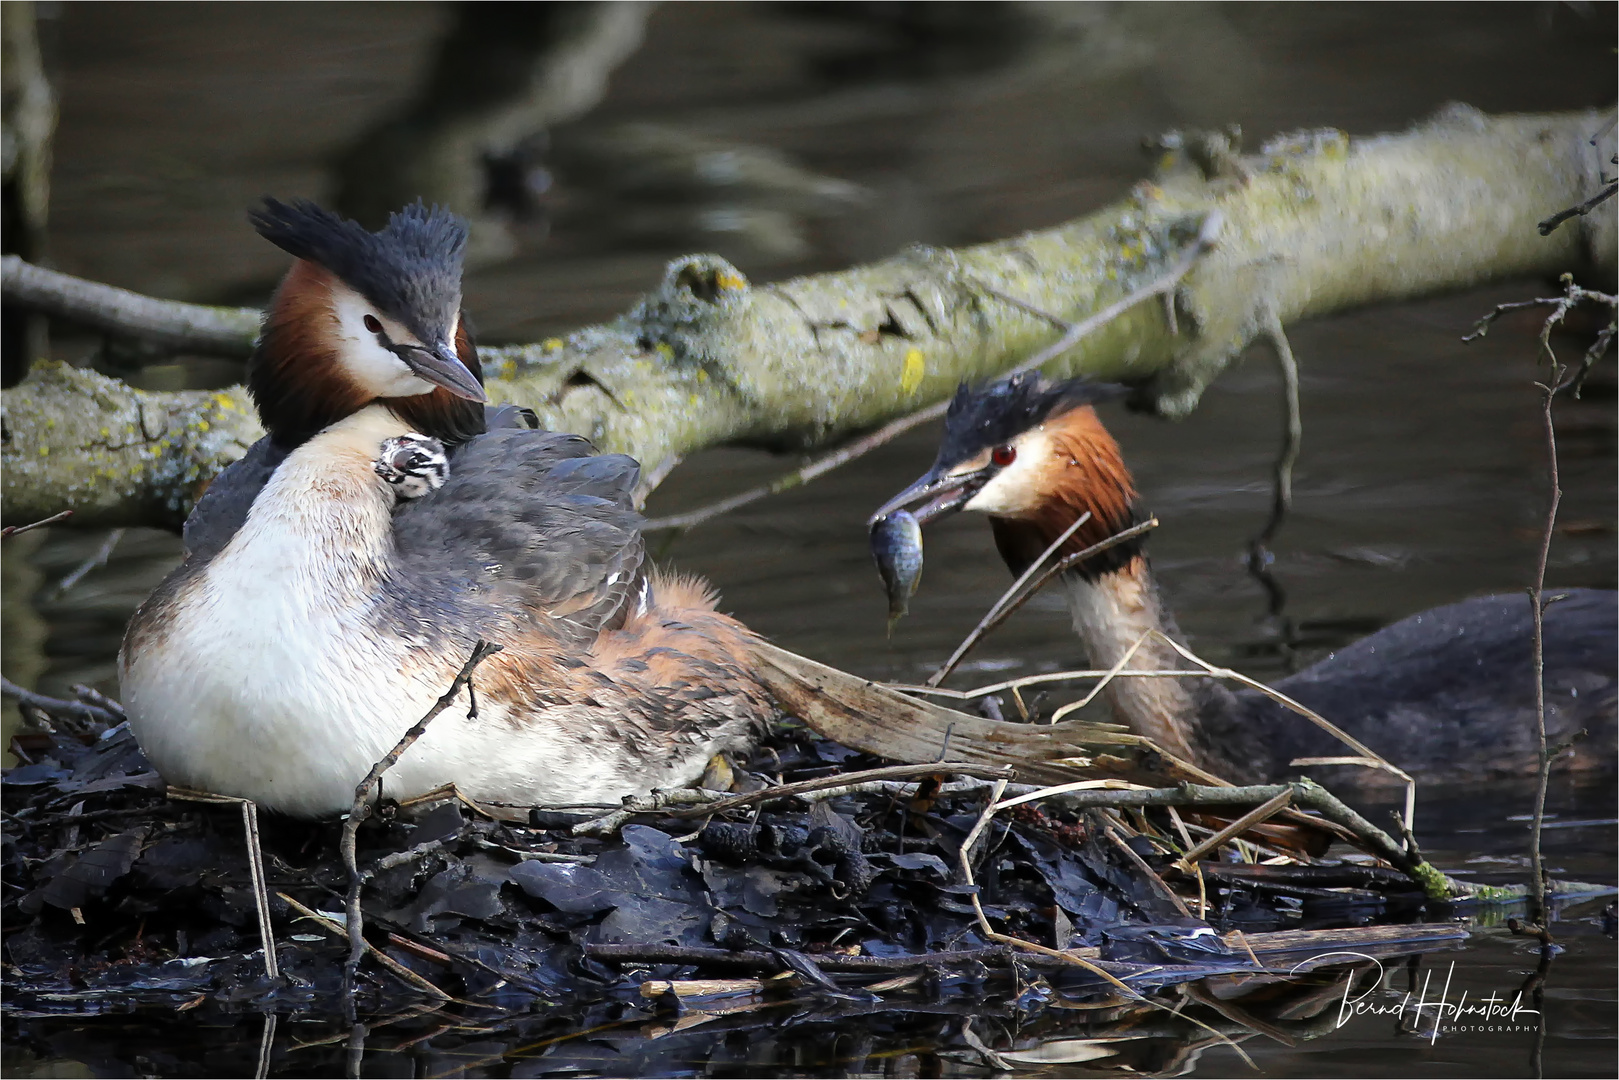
{"x": 989, "y": 932}
{"x": 18, "y": 530}
{"x": 1011, "y": 600}
{"x": 1547, "y": 226}
{"x": 821, "y": 783}
{"x": 367, "y": 788}
{"x": 332, "y": 926}
{"x": 1282, "y": 699}
{"x": 1240, "y": 845}
{"x": 1207, "y": 237}
{"x": 1573, "y": 296}
{"x": 802, "y": 475}
{"x": 98, "y": 559}
{"x": 993, "y": 616}
{"x": 170, "y": 324}
{"x": 1257, "y": 816}
{"x": 76, "y": 710}
{"x": 1306, "y": 794}
{"x": 695, "y": 802}
{"x": 266, "y": 1045}
{"x": 1409, "y": 838}
{"x": 1154, "y": 882}
{"x": 1538, "y": 604}
{"x": 1034, "y": 680}
{"x": 448, "y": 791}
{"x": 91, "y": 696}
{"x": 1559, "y": 379}
{"x": 991, "y": 1058}
{"x": 255, "y": 864}
{"x": 1063, "y": 789}
{"x": 1107, "y": 677}
{"x": 653, "y": 477}
{"x": 255, "y": 867}
{"x": 1259, "y": 556}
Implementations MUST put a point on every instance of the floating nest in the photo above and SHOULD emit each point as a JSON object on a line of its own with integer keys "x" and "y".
{"x": 788, "y": 912}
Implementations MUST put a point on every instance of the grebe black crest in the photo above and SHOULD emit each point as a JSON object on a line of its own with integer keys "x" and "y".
{"x": 365, "y": 316}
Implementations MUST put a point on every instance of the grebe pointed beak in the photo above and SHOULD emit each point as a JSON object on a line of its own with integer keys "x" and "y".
{"x": 441, "y": 367}
{"x": 939, "y": 496}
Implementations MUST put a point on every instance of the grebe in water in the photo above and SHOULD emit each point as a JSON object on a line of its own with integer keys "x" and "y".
{"x": 1447, "y": 695}
{"x": 337, "y": 577}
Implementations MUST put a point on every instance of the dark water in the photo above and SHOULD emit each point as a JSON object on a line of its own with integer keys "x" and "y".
{"x": 1422, "y": 479}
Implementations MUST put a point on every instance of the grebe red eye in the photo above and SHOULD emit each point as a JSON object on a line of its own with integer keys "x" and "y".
{"x": 1003, "y": 455}
{"x": 372, "y": 324}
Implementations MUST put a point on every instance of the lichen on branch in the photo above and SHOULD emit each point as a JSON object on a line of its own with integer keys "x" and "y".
{"x": 112, "y": 454}
{"x": 1314, "y": 223}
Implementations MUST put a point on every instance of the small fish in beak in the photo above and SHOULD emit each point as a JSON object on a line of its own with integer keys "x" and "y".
{"x": 896, "y": 546}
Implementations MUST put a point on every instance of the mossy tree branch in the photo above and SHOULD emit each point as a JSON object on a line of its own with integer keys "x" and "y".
{"x": 1314, "y": 223}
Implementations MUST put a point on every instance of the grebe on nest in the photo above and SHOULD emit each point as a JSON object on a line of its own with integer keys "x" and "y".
{"x": 1447, "y": 695}
{"x": 337, "y": 577}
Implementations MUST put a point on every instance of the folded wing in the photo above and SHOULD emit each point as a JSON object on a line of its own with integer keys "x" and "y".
{"x": 529, "y": 524}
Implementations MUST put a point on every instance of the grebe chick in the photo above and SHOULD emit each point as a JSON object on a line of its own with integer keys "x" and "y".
{"x": 321, "y": 610}
{"x": 1447, "y": 695}
{"x": 413, "y": 464}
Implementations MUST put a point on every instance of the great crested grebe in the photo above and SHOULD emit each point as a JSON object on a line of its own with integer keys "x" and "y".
{"x": 338, "y": 577}
{"x": 1447, "y": 695}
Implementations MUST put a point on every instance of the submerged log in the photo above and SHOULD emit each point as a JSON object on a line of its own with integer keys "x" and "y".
{"x": 1314, "y": 223}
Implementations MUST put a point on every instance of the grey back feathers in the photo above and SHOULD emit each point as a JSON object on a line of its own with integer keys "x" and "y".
{"x": 410, "y": 269}
{"x": 528, "y": 524}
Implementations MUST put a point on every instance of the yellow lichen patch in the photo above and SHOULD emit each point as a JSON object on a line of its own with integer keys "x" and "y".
{"x": 730, "y": 279}
{"x": 665, "y": 350}
{"x": 553, "y": 344}
{"x": 910, "y": 379}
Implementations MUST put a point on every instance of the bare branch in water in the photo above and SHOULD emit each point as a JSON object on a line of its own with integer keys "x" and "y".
{"x": 1573, "y": 296}
{"x": 190, "y": 328}
{"x": 1558, "y": 379}
{"x": 83, "y": 712}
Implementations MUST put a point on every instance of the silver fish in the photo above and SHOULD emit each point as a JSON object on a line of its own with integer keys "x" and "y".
{"x": 896, "y": 545}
